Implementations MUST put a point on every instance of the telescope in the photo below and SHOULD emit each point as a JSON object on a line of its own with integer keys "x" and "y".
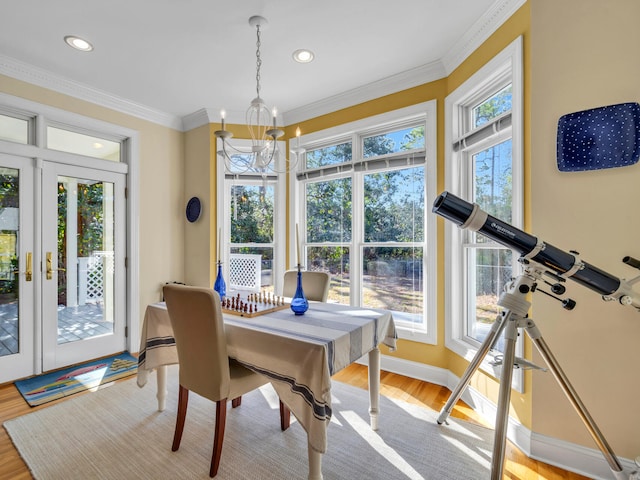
{"x": 560, "y": 263}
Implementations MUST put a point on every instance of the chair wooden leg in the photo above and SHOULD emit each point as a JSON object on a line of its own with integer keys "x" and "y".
{"x": 183, "y": 401}
{"x": 236, "y": 402}
{"x": 285, "y": 416}
{"x": 221, "y": 419}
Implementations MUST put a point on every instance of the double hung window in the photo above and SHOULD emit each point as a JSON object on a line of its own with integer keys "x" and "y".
{"x": 365, "y": 192}
{"x": 483, "y": 166}
{"x": 252, "y": 209}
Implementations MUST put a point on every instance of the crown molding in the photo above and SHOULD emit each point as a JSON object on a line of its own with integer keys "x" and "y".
{"x": 481, "y": 30}
{"x": 477, "y": 34}
{"x": 385, "y": 86}
{"x": 37, "y": 76}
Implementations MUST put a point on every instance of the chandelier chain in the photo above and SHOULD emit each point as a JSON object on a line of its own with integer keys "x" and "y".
{"x": 258, "y": 60}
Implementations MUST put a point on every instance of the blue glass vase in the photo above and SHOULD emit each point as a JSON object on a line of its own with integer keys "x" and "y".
{"x": 220, "y": 286}
{"x": 299, "y": 303}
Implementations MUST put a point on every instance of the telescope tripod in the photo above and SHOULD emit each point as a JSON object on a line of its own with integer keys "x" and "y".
{"x": 514, "y": 317}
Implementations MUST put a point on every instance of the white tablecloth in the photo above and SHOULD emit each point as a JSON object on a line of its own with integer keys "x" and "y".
{"x": 297, "y": 353}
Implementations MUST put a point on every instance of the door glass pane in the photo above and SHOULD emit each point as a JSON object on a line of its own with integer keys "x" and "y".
{"x": 85, "y": 259}
{"x": 9, "y": 239}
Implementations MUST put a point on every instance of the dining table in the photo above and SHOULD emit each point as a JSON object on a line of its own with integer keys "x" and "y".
{"x": 297, "y": 353}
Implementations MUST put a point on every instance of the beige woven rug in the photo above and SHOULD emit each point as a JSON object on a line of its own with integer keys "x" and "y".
{"x": 117, "y": 433}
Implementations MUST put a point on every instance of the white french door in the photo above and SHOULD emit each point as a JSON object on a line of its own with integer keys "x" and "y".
{"x": 83, "y": 264}
{"x": 18, "y": 278}
{"x": 62, "y": 265}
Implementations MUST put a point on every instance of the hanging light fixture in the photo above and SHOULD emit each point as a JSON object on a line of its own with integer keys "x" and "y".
{"x": 263, "y": 155}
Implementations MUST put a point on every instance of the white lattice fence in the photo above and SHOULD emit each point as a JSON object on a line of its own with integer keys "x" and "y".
{"x": 245, "y": 272}
{"x": 91, "y": 288}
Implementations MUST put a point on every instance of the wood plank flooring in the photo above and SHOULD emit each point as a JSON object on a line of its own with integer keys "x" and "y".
{"x": 518, "y": 466}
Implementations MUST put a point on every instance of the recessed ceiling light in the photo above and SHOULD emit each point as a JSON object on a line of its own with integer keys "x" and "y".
{"x": 78, "y": 43}
{"x": 303, "y": 56}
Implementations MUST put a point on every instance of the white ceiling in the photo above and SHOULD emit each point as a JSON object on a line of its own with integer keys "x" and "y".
{"x": 168, "y": 59}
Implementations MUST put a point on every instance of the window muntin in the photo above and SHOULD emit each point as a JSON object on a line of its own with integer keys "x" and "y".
{"x": 14, "y": 129}
{"x": 83, "y": 144}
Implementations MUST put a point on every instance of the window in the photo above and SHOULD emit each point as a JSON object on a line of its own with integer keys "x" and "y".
{"x": 363, "y": 192}
{"x": 252, "y": 216}
{"x": 14, "y": 128}
{"x": 484, "y": 166}
{"x": 83, "y": 144}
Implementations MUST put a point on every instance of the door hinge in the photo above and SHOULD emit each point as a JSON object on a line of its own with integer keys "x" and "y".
{"x": 126, "y": 262}
{"x": 126, "y": 332}
{"x": 126, "y": 192}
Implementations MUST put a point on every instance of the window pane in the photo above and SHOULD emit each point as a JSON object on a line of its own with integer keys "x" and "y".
{"x": 252, "y": 213}
{"x": 393, "y": 280}
{"x": 242, "y": 163}
{"x": 394, "y": 206}
{"x": 492, "y": 107}
{"x": 329, "y": 211}
{"x": 332, "y": 155}
{"x": 14, "y": 129}
{"x": 9, "y": 259}
{"x": 81, "y": 144}
{"x": 493, "y": 183}
{"x": 490, "y": 269}
{"x": 391, "y": 142}
{"x": 334, "y": 261}
{"x": 266, "y": 280}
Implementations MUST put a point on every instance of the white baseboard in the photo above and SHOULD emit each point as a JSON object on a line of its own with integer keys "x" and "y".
{"x": 569, "y": 456}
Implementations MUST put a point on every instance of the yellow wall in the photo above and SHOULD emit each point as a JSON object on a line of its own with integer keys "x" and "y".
{"x": 161, "y": 152}
{"x": 438, "y": 355}
{"x": 584, "y": 54}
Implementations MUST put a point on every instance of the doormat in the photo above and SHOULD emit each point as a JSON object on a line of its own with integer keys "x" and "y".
{"x": 87, "y": 376}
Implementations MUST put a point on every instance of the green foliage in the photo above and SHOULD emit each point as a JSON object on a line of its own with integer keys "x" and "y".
{"x": 252, "y": 214}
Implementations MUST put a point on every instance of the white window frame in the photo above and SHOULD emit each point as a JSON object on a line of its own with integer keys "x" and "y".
{"x": 506, "y": 67}
{"x": 425, "y": 112}
{"x": 224, "y": 184}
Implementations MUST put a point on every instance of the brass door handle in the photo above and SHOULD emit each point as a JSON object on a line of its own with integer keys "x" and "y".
{"x": 28, "y": 273}
{"x": 50, "y": 269}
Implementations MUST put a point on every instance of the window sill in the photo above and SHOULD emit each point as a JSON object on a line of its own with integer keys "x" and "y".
{"x": 422, "y": 336}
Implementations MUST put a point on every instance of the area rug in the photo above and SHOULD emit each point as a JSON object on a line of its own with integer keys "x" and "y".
{"x": 62, "y": 383}
{"x": 117, "y": 433}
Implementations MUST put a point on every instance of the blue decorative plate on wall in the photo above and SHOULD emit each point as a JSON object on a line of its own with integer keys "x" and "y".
{"x": 193, "y": 209}
{"x": 604, "y": 137}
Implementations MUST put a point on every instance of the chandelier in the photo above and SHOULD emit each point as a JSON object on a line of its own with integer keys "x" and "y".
{"x": 263, "y": 156}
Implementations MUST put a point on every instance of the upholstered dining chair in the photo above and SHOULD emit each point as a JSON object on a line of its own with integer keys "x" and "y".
{"x": 314, "y": 284}
{"x": 205, "y": 368}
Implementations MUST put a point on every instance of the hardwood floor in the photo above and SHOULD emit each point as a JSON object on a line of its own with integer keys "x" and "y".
{"x": 518, "y": 466}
